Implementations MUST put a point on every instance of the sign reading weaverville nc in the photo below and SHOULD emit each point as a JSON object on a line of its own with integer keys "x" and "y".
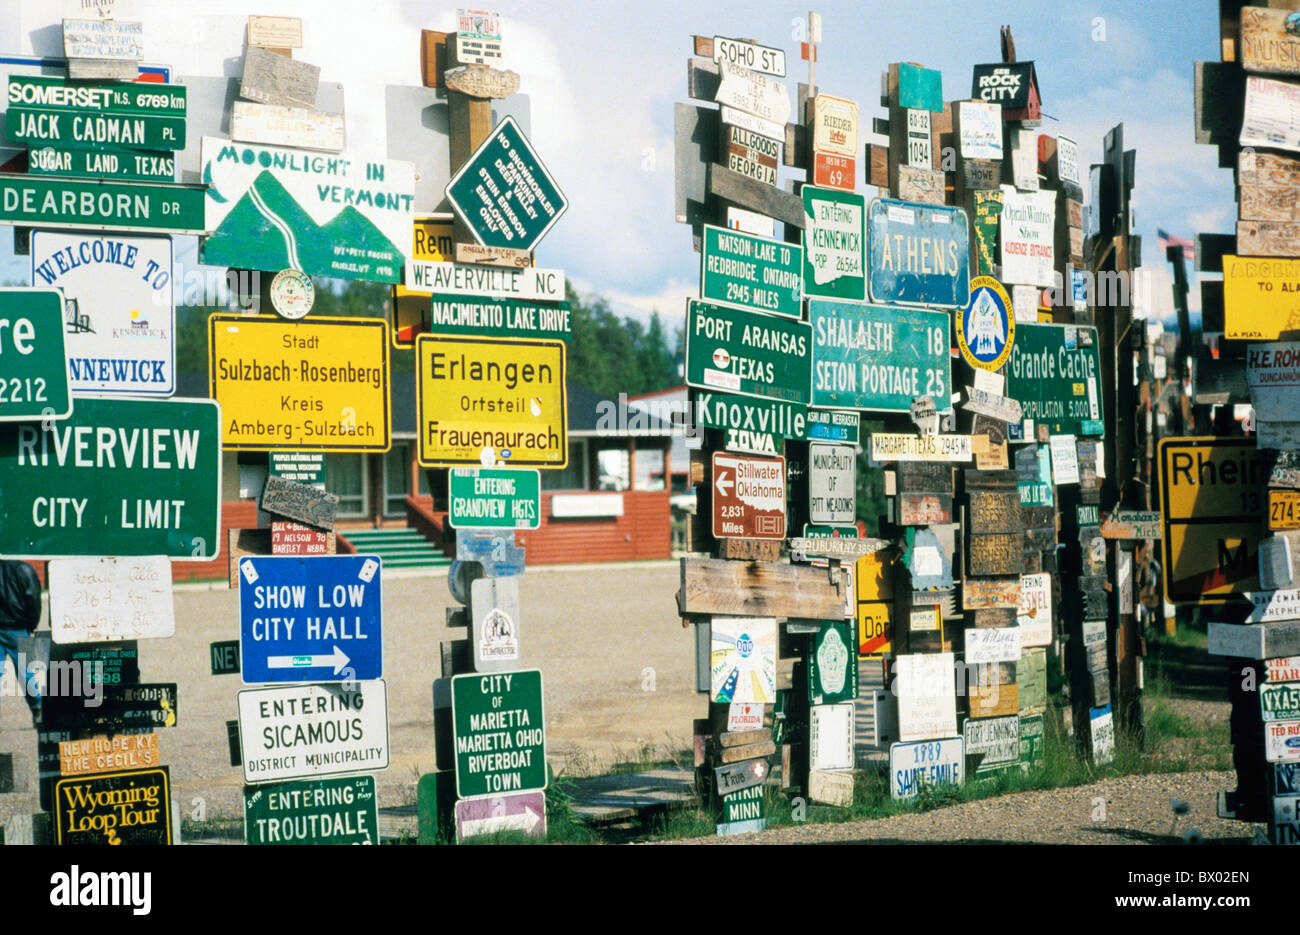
{"x": 119, "y": 309}
{"x": 319, "y": 384}
{"x": 495, "y": 498}
{"x": 341, "y": 810}
{"x": 1055, "y": 372}
{"x": 504, "y": 193}
{"x": 878, "y": 357}
{"x": 834, "y": 244}
{"x": 754, "y": 272}
{"x": 326, "y": 214}
{"x": 499, "y": 725}
{"x": 33, "y": 356}
{"x": 491, "y": 402}
{"x": 118, "y": 477}
{"x": 747, "y": 353}
{"x": 920, "y": 254}
{"x": 131, "y": 807}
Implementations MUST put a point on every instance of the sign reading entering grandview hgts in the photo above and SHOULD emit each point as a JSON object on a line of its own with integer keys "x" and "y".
{"x": 495, "y": 498}
{"x": 747, "y": 353}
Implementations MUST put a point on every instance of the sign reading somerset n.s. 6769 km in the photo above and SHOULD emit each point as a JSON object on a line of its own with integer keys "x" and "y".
{"x": 504, "y": 193}
{"x": 329, "y": 214}
{"x": 920, "y": 254}
{"x": 310, "y": 619}
{"x": 319, "y": 384}
{"x": 756, "y": 272}
{"x": 118, "y": 477}
{"x": 495, "y": 498}
{"x": 747, "y": 353}
{"x": 33, "y": 359}
{"x": 500, "y": 732}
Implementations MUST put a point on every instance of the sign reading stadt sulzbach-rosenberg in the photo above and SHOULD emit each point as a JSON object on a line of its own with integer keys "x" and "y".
{"x": 500, "y": 732}
{"x": 747, "y": 353}
{"x": 33, "y": 358}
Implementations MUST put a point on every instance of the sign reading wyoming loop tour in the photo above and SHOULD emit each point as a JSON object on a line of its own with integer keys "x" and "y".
{"x": 319, "y": 384}
{"x": 920, "y": 254}
{"x": 132, "y": 807}
{"x": 747, "y": 353}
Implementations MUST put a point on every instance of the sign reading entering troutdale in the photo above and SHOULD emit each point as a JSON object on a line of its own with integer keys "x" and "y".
{"x": 314, "y": 619}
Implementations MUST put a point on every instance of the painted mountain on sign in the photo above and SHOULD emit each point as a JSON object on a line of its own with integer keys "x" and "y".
{"x": 267, "y": 229}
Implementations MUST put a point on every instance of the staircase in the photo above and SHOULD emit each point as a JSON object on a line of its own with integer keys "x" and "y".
{"x": 399, "y": 547}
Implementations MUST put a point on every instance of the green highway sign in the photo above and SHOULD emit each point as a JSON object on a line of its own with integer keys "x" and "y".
{"x": 501, "y": 318}
{"x": 139, "y": 165}
{"x": 35, "y": 126}
{"x": 118, "y": 477}
{"x": 756, "y": 272}
{"x": 33, "y": 360}
{"x": 748, "y": 353}
{"x": 495, "y": 498}
{"x": 835, "y": 244}
{"x": 338, "y": 810}
{"x": 879, "y": 357}
{"x": 504, "y": 193}
{"x": 499, "y": 730}
{"x": 126, "y": 98}
{"x": 50, "y": 202}
{"x": 754, "y": 425}
{"x": 1054, "y": 371}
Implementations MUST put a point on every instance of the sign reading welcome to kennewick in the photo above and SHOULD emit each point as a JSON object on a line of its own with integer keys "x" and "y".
{"x": 272, "y": 208}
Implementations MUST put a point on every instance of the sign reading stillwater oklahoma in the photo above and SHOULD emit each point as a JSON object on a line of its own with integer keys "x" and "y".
{"x": 273, "y": 208}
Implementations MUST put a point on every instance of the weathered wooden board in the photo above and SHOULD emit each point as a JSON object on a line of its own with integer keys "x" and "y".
{"x": 275, "y": 32}
{"x": 756, "y": 589}
{"x": 730, "y": 185}
{"x": 274, "y": 79}
{"x": 241, "y": 542}
{"x": 302, "y": 502}
{"x": 923, "y": 477}
{"x": 1268, "y": 238}
{"x": 1031, "y": 681}
{"x": 921, "y": 185}
{"x": 923, "y": 509}
{"x": 749, "y": 550}
{"x": 1267, "y": 170}
{"x": 481, "y": 81}
{"x": 1218, "y": 94}
{"x": 1001, "y": 554}
{"x": 993, "y": 618}
{"x": 747, "y": 751}
{"x": 831, "y": 787}
{"x": 993, "y": 700}
{"x": 1272, "y": 640}
{"x": 433, "y": 57}
{"x": 991, "y": 480}
{"x": 1260, "y": 203}
{"x": 737, "y": 776}
{"x": 994, "y": 511}
{"x": 982, "y": 593}
{"x": 275, "y": 125}
{"x": 1270, "y": 43}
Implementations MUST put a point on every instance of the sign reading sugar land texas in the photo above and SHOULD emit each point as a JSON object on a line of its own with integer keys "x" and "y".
{"x": 315, "y": 619}
{"x": 120, "y": 309}
{"x": 92, "y": 203}
{"x": 834, "y": 242}
{"x": 878, "y": 357}
{"x": 1260, "y": 298}
{"x": 920, "y": 254}
{"x": 495, "y": 498}
{"x": 1055, "y": 373}
{"x": 491, "y": 402}
{"x": 273, "y": 208}
{"x": 747, "y": 353}
{"x": 301, "y": 731}
{"x": 33, "y": 356}
{"x": 342, "y": 810}
{"x": 320, "y": 384}
{"x": 499, "y": 726}
{"x": 118, "y": 477}
{"x": 504, "y": 193}
{"x": 754, "y": 272}
{"x": 111, "y": 162}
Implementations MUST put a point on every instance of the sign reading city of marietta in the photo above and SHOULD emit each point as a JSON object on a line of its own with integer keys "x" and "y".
{"x": 319, "y": 384}
{"x": 118, "y": 477}
{"x": 303, "y": 731}
{"x": 747, "y": 353}
{"x": 754, "y": 272}
{"x": 101, "y": 599}
{"x": 33, "y": 200}
{"x": 119, "y": 309}
{"x": 834, "y": 243}
{"x": 1260, "y": 300}
{"x": 878, "y": 357}
{"x": 1027, "y": 234}
{"x": 342, "y": 810}
{"x": 495, "y": 498}
{"x": 748, "y": 497}
{"x": 922, "y": 763}
{"x": 326, "y": 214}
{"x": 504, "y": 193}
{"x": 499, "y": 726}
{"x": 316, "y": 619}
{"x": 129, "y": 807}
{"x": 1055, "y": 371}
{"x": 742, "y": 660}
{"x": 491, "y": 402}
{"x": 986, "y": 327}
{"x": 33, "y": 356}
{"x": 920, "y": 254}
{"x": 1209, "y": 490}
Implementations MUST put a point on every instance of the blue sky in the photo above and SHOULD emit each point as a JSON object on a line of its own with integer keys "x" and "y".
{"x": 603, "y": 79}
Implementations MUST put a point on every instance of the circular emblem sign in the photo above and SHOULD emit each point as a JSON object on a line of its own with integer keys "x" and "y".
{"x": 292, "y": 294}
{"x": 986, "y": 327}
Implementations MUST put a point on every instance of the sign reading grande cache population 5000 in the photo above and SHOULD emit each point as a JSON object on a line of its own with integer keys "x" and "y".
{"x": 1055, "y": 372}
{"x": 747, "y": 353}
{"x": 500, "y": 732}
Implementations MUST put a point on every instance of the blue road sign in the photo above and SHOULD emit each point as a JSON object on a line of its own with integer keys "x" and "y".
{"x": 310, "y": 619}
{"x": 920, "y": 254}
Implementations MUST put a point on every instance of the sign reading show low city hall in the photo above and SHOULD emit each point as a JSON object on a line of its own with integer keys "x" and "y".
{"x": 500, "y": 732}
{"x": 33, "y": 356}
{"x": 326, "y": 214}
{"x": 1055, "y": 373}
{"x": 118, "y": 477}
{"x": 747, "y": 353}
{"x": 319, "y": 384}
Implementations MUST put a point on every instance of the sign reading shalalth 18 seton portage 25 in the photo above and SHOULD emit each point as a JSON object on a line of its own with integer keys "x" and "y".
{"x": 920, "y": 254}
{"x": 747, "y": 353}
{"x": 756, "y": 272}
{"x": 33, "y": 358}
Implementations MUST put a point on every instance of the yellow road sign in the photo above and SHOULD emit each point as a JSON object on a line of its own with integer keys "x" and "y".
{"x": 874, "y": 582}
{"x": 490, "y": 401}
{"x": 1260, "y": 301}
{"x": 432, "y": 240}
{"x": 319, "y": 384}
{"x": 1213, "y": 518}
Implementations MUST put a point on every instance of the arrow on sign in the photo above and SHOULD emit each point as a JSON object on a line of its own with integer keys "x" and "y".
{"x": 336, "y": 660}
{"x": 723, "y": 483}
{"x": 527, "y": 823}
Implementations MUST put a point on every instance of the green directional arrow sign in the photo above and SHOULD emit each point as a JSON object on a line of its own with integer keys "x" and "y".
{"x": 742, "y": 269}
{"x": 339, "y": 810}
{"x": 125, "y": 98}
{"x": 500, "y": 732}
{"x": 37, "y": 126}
{"x": 139, "y": 165}
{"x": 33, "y": 360}
{"x": 496, "y": 498}
{"x": 748, "y": 353}
{"x": 51, "y": 202}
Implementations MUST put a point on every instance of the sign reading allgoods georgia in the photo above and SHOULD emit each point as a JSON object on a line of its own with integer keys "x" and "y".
{"x": 834, "y": 242}
{"x": 490, "y": 401}
{"x": 319, "y": 384}
{"x": 495, "y": 498}
{"x": 1260, "y": 300}
{"x": 747, "y": 353}
{"x": 342, "y": 810}
{"x": 755, "y": 272}
{"x": 118, "y": 477}
{"x": 748, "y": 497}
{"x": 920, "y": 254}
{"x": 499, "y": 727}
{"x": 326, "y": 214}
{"x": 77, "y": 203}
{"x": 33, "y": 357}
{"x": 1055, "y": 372}
{"x": 119, "y": 309}
{"x": 878, "y": 357}
{"x": 130, "y": 807}
{"x": 504, "y": 193}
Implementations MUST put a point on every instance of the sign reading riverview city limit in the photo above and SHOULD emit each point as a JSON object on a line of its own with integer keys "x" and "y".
{"x": 504, "y": 193}
{"x": 920, "y": 254}
{"x": 834, "y": 244}
{"x": 755, "y": 272}
{"x": 319, "y": 384}
{"x": 315, "y": 619}
{"x": 33, "y": 200}
{"x": 748, "y": 497}
{"x": 495, "y": 498}
{"x": 303, "y": 731}
{"x": 119, "y": 308}
{"x": 117, "y": 477}
{"x": 340, "y": 810}
{"x": 878, "y": 357}
{"x": 499, "y": 727}
{"x": 33, "y": 356}
{"x": 747, "y": 353}
{"x": 271, "y": 208}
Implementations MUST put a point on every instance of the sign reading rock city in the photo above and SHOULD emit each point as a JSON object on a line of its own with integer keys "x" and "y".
{"x": 500, "y": 732}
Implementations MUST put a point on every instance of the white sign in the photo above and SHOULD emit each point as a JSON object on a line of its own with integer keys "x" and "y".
{"x": 992, "y": 644}
{"x": 1124, "y": 569}
{"x": 925, "y": 763}
{"x": 832, "y": 484}
{"x": 1273, "y": 375}
{"x": 760, "y": 58}
{"x": 744, "y": 716}
{"x": 302, "y": 731}
{"x": 738, "y": 118}
{"x": 835, "y": 125}
{"x": 1034, "y": 614}
{"x": 750, "y": 222}
{"x": 897, "y": 447}
{"x": 575, "y": 505}
{"x": 927, "y": 696}
{"x": 1244, "y": 640}
{"x": 530, "y": 283}
{"x": 285, "y": 126}
{"x": 1024, "y": 160}
{"x": 1282, "y": 741}
{"x": 1025, "y": 301}
{"x": 95, "y": 600}
{"x": 830, "y": 736}
{"x": 1065, "y": 459}
{"x": 920, "y": 146}
{"x": 981, "y": 130}
{"x": 1272, "y": 115}
{"x": 275, "y": 32}
{"x": 1067, "y": 160}
{"x": 997, "y": 738}
{"x": 1103, "y": 738}
{"x": 103, "y": 39}
{"x": 119, "y": 309}
{"x": 1028, "y": 231}
{"x": 753, "y": 92}
{"x": 1274, "y": 605}
{"x": 1283, "y": 669}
